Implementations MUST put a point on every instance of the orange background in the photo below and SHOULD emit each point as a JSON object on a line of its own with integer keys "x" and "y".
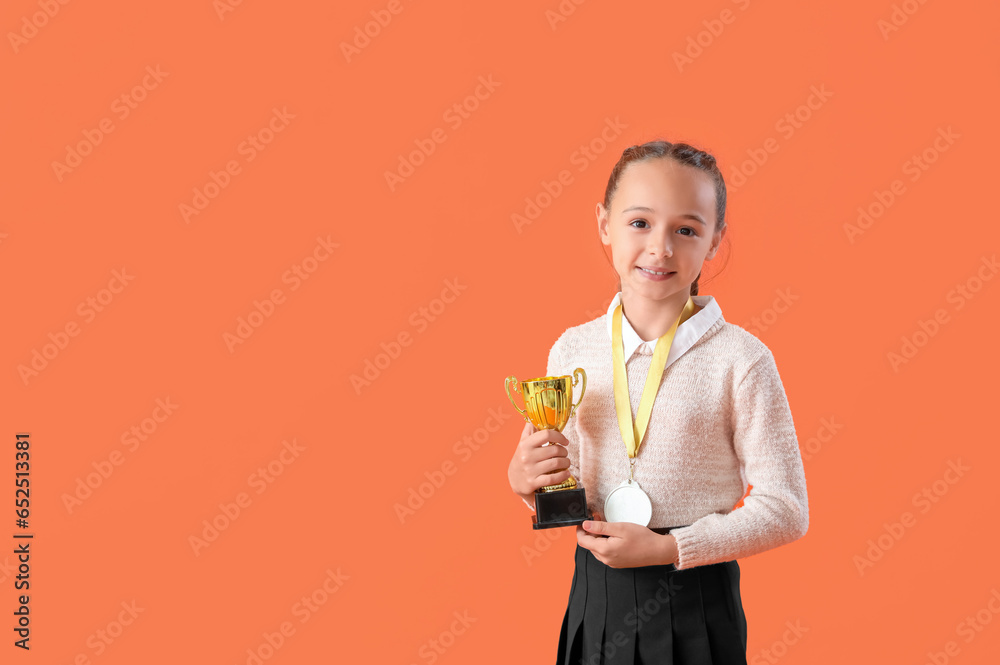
{"x": 334, "y": 506}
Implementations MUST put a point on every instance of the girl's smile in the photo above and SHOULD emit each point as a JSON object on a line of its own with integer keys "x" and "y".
{"x": 654, "y": 273}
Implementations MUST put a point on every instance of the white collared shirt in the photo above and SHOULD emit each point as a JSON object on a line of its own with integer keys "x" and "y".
{"x": 686, "y": 335}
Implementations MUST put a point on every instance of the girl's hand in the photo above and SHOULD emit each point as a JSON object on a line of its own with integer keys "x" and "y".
{"x": 536, "y": 464}
{"x": 626, "y": 544}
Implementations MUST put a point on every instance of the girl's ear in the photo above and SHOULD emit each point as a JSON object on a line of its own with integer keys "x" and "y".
{"x": 716, "y": 242}
{"x": 602, "y": 223}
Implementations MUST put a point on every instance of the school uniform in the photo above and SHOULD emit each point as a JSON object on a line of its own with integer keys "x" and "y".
{"x": 720, "y": 420}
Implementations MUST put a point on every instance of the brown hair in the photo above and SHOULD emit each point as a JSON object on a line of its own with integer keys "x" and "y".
{"x": 683, "y": 154}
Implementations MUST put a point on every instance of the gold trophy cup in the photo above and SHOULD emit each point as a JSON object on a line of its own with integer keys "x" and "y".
{"x": 548, "y": 404}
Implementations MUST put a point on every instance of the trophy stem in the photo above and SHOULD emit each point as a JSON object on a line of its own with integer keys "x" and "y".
{"x": 567, "y": 484}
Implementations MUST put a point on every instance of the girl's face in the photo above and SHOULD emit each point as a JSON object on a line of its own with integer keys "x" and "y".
{"x": 662, "y": 219}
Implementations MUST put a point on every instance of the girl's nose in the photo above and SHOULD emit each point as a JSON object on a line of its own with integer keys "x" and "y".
{"x": 659, "y": 243}
{"x": 662, "y": 247}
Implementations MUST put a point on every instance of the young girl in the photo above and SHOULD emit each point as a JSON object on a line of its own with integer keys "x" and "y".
{"x": 682, "y": 410}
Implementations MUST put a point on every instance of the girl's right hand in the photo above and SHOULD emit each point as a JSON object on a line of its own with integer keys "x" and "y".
{"x": 536, "y": 464}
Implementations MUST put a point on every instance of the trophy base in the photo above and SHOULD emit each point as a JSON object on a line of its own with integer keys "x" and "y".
{"x": 560, "y": 508}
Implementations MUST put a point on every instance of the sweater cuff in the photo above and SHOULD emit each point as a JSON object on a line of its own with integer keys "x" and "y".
{"x": 692, "y": 548}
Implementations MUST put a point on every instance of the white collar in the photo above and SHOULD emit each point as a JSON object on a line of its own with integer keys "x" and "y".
{"x": 687, "y": 334}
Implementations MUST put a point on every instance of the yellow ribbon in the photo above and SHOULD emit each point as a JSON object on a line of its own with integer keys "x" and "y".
{"x": 633, "y": 433}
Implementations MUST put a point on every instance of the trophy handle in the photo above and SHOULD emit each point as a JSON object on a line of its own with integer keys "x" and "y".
{"x": 517, "y": 388}
{"x": 582, "y": 380}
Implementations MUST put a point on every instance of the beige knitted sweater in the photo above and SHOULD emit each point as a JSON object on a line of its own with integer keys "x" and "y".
{"x": 720, "y": 420}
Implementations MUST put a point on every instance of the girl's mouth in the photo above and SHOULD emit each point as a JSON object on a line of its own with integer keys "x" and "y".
{"x": 655, "y": 275}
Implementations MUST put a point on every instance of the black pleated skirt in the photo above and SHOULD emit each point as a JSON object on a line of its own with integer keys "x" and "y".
{"x": 653, "y": 615}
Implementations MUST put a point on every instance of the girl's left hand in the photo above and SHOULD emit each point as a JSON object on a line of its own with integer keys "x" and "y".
{"x": 626, "y": 544}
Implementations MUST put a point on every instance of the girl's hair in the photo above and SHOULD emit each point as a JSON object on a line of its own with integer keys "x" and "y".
{"x": 683, "y": 154}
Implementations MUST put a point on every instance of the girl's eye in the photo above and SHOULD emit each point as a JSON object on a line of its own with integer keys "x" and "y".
{"x": 683, "y": 228}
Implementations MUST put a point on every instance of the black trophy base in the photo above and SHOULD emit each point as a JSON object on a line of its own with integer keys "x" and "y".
{"x": 560, "y": 508}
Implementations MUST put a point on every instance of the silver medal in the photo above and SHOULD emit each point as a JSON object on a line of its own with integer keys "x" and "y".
{"x": 628, "y": 503}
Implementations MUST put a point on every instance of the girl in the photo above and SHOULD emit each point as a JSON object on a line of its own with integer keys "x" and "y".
{"x": 682, "y": 410}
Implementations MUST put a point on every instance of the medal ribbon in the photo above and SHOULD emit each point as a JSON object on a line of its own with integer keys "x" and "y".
{"x": 633, "y": 433}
